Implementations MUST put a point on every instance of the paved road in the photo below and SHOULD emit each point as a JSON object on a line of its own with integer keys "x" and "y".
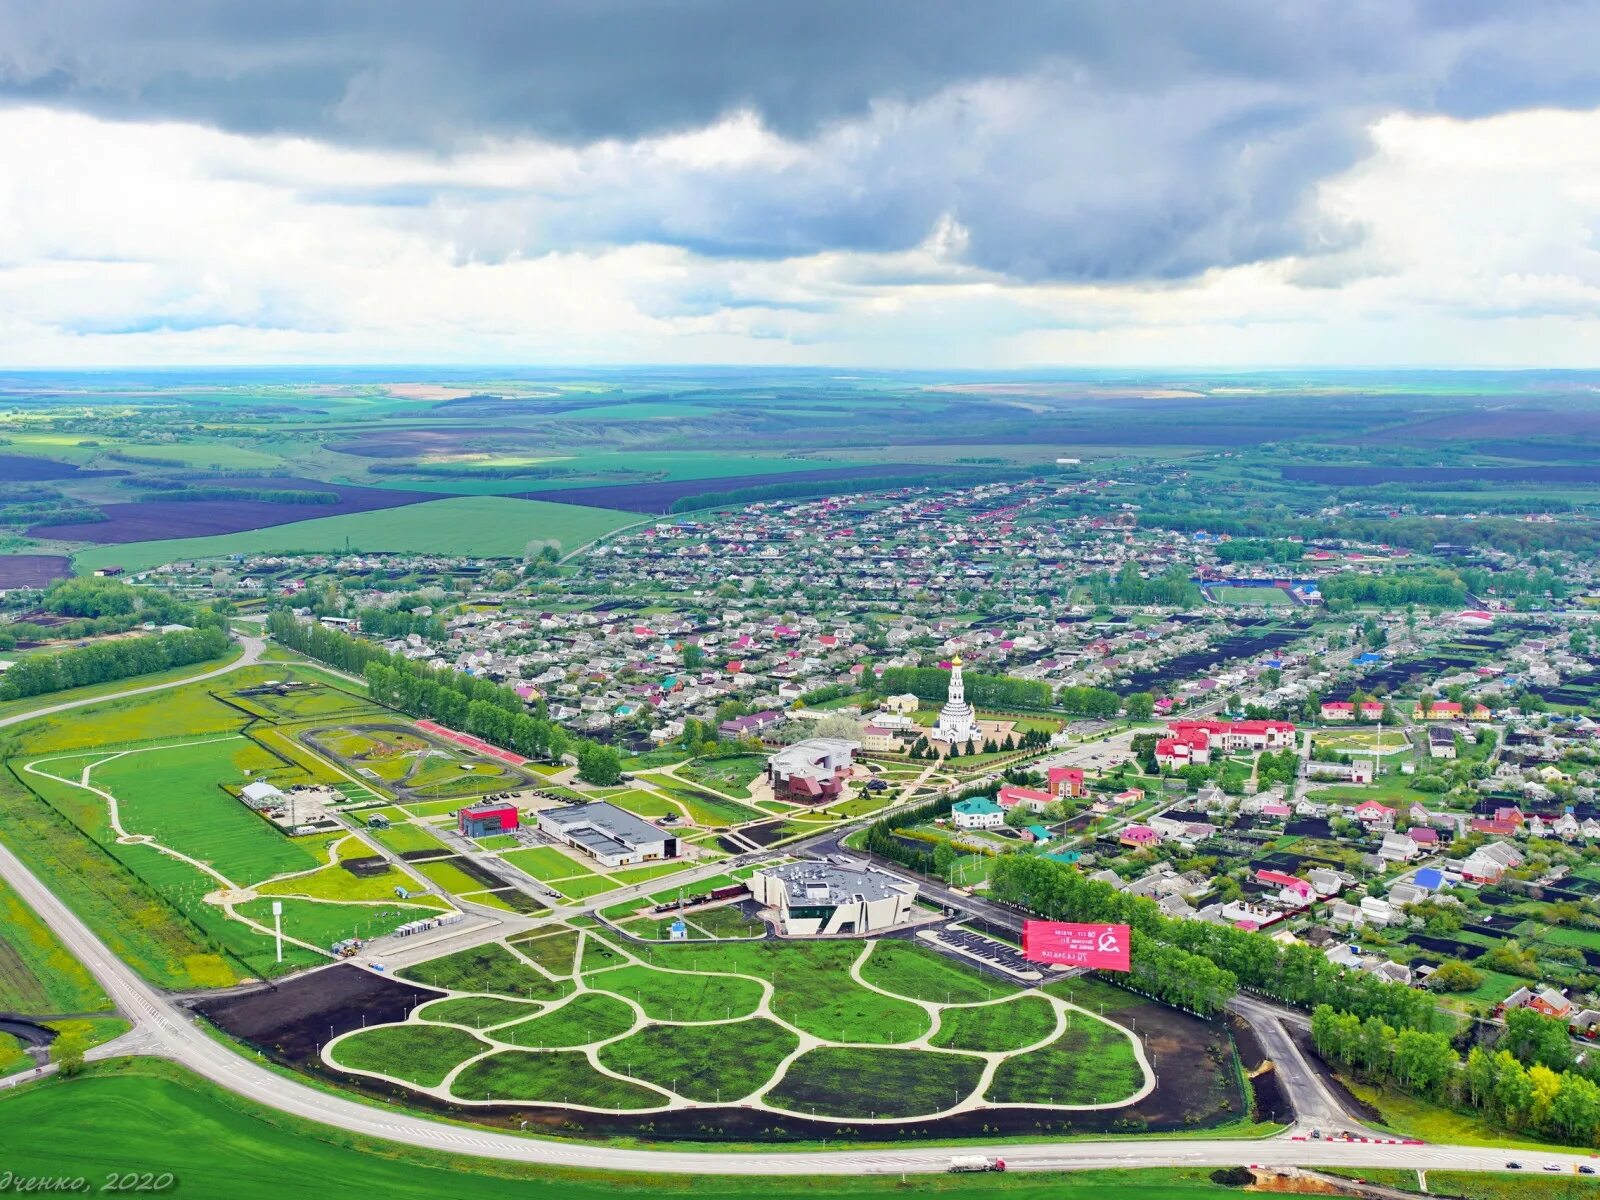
{"x": 163, "y": 1029}
{"x": 1316, "y": 1105}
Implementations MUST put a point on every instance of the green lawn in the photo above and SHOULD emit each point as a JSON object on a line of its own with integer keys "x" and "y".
{"x": 995, "y": 1027}
{"x": 491, "y": 526}
{"x": 812, "y": 988}
{"x": 708, "y": 1063}
{"x": 546, "y": 863}
{"x": 554, "y": 1076}
{"x": 38, "y": 974}
{"x": 448, "y": 876}
{"x": 422, "y": 1054}
{"x": 128, "y": 913}
{"x": 554, "y": 950}
{"x": 403, "y": 839}
{"x": 704, "y": 808}
{"x": 488, "y": 968}
{"x": 323, "y": 924}
{"x": 675, "y": 996}
{"x": 175, "y": 794}
{"x": 911, "y": 970}
{"x": 1091, "y": 1063}
{"x": 845, "y": 1081}
{"x": 586, "y": 1017}
{"x": 336, "y": 883}
{"x": 9, "y": 708}
{"x": 732, "y": 775}
{"x": 584, "y": 886}
{"x": 480, "y": 1012}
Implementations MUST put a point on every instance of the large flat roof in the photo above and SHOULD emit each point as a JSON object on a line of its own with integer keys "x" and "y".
{"x": 602, "y": 827}
{"x": 824, "y": 883}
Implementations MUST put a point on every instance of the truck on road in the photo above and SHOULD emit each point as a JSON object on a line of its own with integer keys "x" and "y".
{"x": 976, "y": 1162}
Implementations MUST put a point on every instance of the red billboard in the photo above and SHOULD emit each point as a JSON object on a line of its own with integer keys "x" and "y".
{"x": 1063, "y": 943}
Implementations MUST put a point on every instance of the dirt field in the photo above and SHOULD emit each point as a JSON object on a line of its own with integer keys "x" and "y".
{"x": 293, "y": 1020}
{"x": 32, "y": 570}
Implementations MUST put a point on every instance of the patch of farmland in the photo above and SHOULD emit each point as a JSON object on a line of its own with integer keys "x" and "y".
{"x": 1358, "y": 475}
{"x": 659, "y": 497}
{"x": 28, "y": 468}
{"x": 150, "y": 520}
{"x": 32, "y": 570}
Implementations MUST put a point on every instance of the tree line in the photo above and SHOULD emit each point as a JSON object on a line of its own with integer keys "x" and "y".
{"x": 798, "y": 489}
{"x": 1172, "y": 587}
{"x": 260, "y": 495}
{"x": 1530, "y": 1081}
{"x": 453, "y": 698}
{"x": 1296, "y": 974}
{"x": 102, "y": 606}
{"x": 41, "y": 673}
{"x": 989, "y": 691}
{"x": 1443, "y": 589}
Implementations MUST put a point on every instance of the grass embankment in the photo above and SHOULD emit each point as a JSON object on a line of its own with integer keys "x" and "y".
{"x": 39, "y": 975}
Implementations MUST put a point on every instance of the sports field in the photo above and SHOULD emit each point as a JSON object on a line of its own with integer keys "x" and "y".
{"x": 657, "y": 1026}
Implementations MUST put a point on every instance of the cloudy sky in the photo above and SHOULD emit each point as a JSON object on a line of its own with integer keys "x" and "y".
{"x": 895, "y": 183}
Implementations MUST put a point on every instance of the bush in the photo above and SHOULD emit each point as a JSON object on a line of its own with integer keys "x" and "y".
{"x": 1233, "y": 1176}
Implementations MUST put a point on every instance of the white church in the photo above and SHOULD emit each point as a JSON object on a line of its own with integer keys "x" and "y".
{"x": 958, "y": 723}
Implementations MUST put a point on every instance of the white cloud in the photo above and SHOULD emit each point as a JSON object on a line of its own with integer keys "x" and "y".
{"x": 168, "y": 243}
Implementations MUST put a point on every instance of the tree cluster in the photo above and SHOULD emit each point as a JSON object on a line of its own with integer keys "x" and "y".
{"x": 1530, "y": 1081}
{"x": 41, "y": 673}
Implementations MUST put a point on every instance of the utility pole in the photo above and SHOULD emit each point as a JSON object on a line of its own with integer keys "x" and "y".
{"x": 277, "y": 925}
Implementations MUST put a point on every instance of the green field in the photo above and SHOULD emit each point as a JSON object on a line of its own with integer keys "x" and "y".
{"x": 708, "y": 1063}
{"x": 704, "y": 808}
{"x": 1091, "y": 1063}
{"x": 811, "y": 987}
{"x": 422, "y": 1054}
{"x": 731, "y": 775}
{"x": 491, "y": 526}
{"x": 843, "y": 1081}
{"x": 490, "y": 968}
{"x": 480, "y": 1012}
{"x": 150, "y": 1116}
{"x": 174, "y": 794}
{"x": 586, "y": 1017}
{"x": 546, "y": 863}
{"x": 988, "y": 1028}
{"x": 679, "y": 996}
{"x": 554, "y": 951}
{"x": 910, "y": 970}
{"x": 563, "y": 1076}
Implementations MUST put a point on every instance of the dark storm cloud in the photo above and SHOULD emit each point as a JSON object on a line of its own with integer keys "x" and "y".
{"x": 1087, "y": 141}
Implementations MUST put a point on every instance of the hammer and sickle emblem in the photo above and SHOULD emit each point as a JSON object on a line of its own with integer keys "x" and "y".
{"x": 1108, "y": 941}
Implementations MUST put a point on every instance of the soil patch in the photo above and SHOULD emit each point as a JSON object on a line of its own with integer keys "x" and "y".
{"x": 293, "y": 1020}
{"x": 366, "y": 866}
